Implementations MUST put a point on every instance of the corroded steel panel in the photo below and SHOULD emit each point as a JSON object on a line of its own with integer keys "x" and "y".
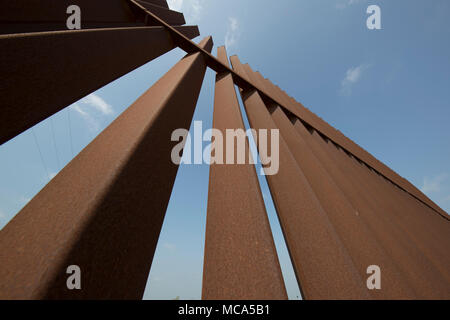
{"x": 316, "y": 251}
{"x": 380, "y": 217}
{"x": 240, "y": 257}
{"x": 44, "y": 72}
{"x": 104, "y": 210}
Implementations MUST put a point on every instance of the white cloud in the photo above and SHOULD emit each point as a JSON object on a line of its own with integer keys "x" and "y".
{"x": 192, "y": 9}
{"x": 232, "y": 35}
{"x": 78, "y": 109}
{"x": 89, "y": 103}
{"x": 431, "y": 185}
{"x": 352, "y": 76}
{"x": 2, "y": 216}
{"x": 98, "y": 103}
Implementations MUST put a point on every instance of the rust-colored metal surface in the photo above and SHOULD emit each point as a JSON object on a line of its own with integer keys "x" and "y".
{"x": 336, "y": 136}
{"x": 370, "y": 229}
{"x": 44, "y": 72}
{"x": 424, "y": 236}
{"x": 288, "y": 103}
{"x": 161, "y": 3}
{"x": 344, "y": 217}
{"x": 136, "y": 11}
{"x": 341, "y": 210}
{"x": 375, "y": 221}
{"x": 104, "y": 211}
{"x": 22, "y": 16}
{"x": 317, "y": 253}
{"x": 379, "y": 218}
{"x": 355, "y": 233}
{"x": 240, "y": 261}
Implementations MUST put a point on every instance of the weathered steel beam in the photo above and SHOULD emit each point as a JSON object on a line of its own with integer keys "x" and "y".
{"x": 104, "y": 211}
{"x": 297, "y": 109}
{"x": 423, "y": 237}
{"x": 355, "y": 233}
{"x": 317, "y": 253}
{"x": 17, "y": 27}
{"x": 34, "y": 11}
{"x": 22, "y": 16}
{"x": 44, "y": 72}
{"x": 376, "y": 213}
{"x": 161, "y": 3}
{"x": 240, "y": 261}
{"x": 126, "y": 14}
{"x": 359, "y": 228}
{"x": 171, "y": 17}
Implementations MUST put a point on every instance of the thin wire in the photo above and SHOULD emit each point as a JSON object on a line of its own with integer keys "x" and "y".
{"x": 54, "y": 142}
{"x": 70, "y": 130}
{"x": 40, "y": 153}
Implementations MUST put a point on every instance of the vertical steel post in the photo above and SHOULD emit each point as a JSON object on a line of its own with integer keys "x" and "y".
{"x": 44, "y": 72}
{"x": 396, "y": 236}
{"x": 317, "y": 253}
{"x": 104, "y": 211}
{"x": 355, "y": 234}
{"x": 240, "y": 257}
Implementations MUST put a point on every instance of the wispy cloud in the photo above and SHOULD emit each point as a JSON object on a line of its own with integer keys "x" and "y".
{"x": 192, "y": 9}
{"x": 91, "y": 122}
{"x": 352, "y": 76}
{"x": 98, "y": 103}
{"x": 232, "y": 35}
{"x": 92, "y": 102}
{"x": 2, "y": 216}
{"x": 434, "y": 184}
{"x": 196, "y": 9}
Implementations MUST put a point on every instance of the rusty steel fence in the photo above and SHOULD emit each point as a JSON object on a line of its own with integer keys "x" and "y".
{"x": 340, "y": 209}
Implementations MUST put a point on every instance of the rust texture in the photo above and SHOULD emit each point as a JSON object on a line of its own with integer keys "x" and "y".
{"x": 371, "y": 235}
{"x": 380, "y": 216}
{"x": 375, "y": 221}
{"x": 240, "y": 257}
{"x": 316, "y": 251}
{"x": 104, "y": 216}
{"x": 66, "y": 66}
{"x": 340, "y": 209}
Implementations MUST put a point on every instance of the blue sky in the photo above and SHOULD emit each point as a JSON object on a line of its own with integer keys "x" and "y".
{"x": 388, "y": 90}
